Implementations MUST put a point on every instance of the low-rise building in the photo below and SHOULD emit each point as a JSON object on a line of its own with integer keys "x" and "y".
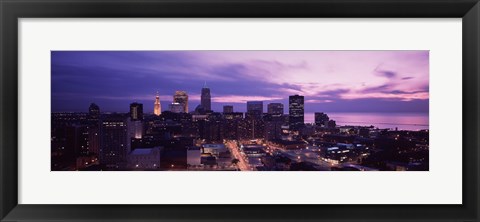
{"x": 288, "y": 145}
{"x": 214, "y": 149}
{"x": 194, "y": 154}
{"x": 144, "y": 159}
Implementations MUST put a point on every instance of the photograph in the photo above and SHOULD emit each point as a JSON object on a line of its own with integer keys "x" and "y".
{"x": 240, "y": 110}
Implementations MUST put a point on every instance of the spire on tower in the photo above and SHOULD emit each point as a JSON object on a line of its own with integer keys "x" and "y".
{"x": 157, "y": 109}
{"x": 205, "y": 85}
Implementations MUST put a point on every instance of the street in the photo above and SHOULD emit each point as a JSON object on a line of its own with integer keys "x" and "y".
{"x": 235, "y": 151}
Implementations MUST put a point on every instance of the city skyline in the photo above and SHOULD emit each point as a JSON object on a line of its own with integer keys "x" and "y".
{"x": 239, "y": 111}
{"x": 386, "y": 81}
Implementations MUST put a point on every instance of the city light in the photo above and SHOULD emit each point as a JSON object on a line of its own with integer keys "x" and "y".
{"x": 261, "y": 111}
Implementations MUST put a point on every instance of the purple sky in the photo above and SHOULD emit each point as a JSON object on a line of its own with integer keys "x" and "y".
{"x": 331, "y": 81}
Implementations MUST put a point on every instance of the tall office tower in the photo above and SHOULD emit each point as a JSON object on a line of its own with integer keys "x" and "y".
{"x": 232, "y": 121}
{"x": 321, "y": 119}
{"x": 275, "y": 109}
{"x": 136, "y": 111}
{"x": 206, "y": 100}
{"x": 255, "y": 108}
{"x": 273, "y": 130}
{"x": 134, "y": 123}
{"x": 296, "y": 112}
{"x": 227, "y": 109}
{"x": 94, "y": 128}
{"x": 157, "y": 108}
{"x": 181, "y": 97}
{"x": 93, "y": 112}
{"x": 175, "y": 108}
{"x": 134, "y": 131}
{"x": 114, "y": 149}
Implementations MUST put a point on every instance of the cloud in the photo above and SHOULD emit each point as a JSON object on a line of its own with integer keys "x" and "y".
{"x": 334, "y": 93}
{"x": 396, "y": 96}
{"x": 242, "y": 99}
{"x": 385, "y": 73}
{"x": 403, "y": 92}
{"x": 318, "y": 101}
{"x": 117, "y": 77}
{"x": 377, "y": 88}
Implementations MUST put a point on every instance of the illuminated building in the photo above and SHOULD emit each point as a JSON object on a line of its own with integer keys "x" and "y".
{"x": 255, "y": 109}
{"x": 194, "y": 156}
{"x": 134, "y": 130}
{"x": 296, "y": 112}
{"x": 136, "y": 111}
{"x": 113, "y": 149}
{"x": 254, "y": 127}
{"x": 134, "y": 123}
{"x": 275, "y": 109}
{"x": 231, "y": 126}
{"x": 233, "y": 115}
{"x": 144, "y": 159}
{"x": 286, "y": 132}
{"x": 176, "y": 108}
{"x": 157, "y": 108}
{"x": 288, "y": 145}
{"x": 227, "y": 109}
{"x": 273, "y": 126}
{"x": 212, "y": 129}
{"x": 214, "y": 149}
{"x": 181, "y": 97}
{"x": 206, "y": 101}
{"x": 94, "y": 129}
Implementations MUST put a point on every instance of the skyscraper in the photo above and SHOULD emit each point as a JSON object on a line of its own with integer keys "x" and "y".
{"x": 94, "y": 128}
{"x": 134, "y": 123}
{"x": 296, "y": 112}
{"x": 175, "y": 108}
{"x": 255, "y": 108}
{"x": 114, "y": 147}
{"x": 275, "y": 109}
{"x": 181, "y": 97}
{"x": 206, "y": 101}
{"x": 157, "y": 108}
{"x": 136, "y": 111}
{"x": 227, "y": 109}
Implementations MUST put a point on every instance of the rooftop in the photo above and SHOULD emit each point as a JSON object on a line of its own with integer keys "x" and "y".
{"x": 214, "y": 146}
{"x": 287, "y": 142}
{"x": 142, "y": 151}
{"x": 193, "y": 148}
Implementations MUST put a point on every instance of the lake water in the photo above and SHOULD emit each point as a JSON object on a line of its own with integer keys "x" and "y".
{"x": 404, "y": 121}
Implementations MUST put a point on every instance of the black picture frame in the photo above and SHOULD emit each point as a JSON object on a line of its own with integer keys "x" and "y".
{"x": 11, "y": 11}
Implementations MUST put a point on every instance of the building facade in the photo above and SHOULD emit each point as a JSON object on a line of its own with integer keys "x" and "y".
{"x": 176, "y": 108}
{"x": 114, "y": 139}
{"x": 296, "y": 112}
{"x": 181, "y": 97}
{"x": 144, "y": 159}
{"x": 275, "y": 109}
{"x": 206, "y": 100}
{"x": 136, "y": 111}
{"x": 227, "y": 109}
{"x": 157, "y": 107}
{"x": 321, "y": 119}
{"x": 255, "y": 109}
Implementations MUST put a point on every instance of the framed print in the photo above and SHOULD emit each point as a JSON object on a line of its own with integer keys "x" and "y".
{"x": 278, "y": 110}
